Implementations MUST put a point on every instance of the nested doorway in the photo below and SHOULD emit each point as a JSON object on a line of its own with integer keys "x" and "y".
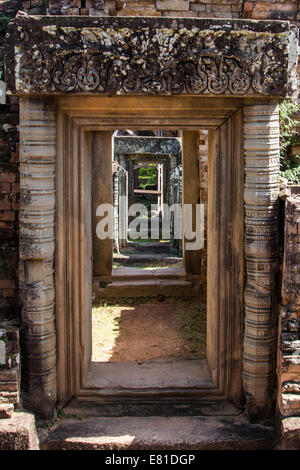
{"x": 84, "y": 127}
{"x": 216, "y": 76}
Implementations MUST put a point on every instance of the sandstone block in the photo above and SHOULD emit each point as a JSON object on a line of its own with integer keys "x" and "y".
{"x": 181, "y": 14}
{"x": 173, "y": 5}
{"x": 6, "y": 410}
{"x": 290, "y": 404}
{"x": 222, "y": 8}
{"x": 18, "y": 432}
{"x": 290, "y": 434}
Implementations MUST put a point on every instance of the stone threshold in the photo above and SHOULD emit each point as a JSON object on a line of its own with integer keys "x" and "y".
{"x": 160, "y": 375}
{"x": 18, "y": 432}
{"x": 137, "y": 282}
{"x": 157, "y": 433}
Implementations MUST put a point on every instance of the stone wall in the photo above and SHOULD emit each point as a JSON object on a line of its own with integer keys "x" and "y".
{"x": 289, "y": 337}
{"x": 9, "y": 181}
{"x": 288, "y": 361}
{"x": 289, "y": 327}
{"x": 251, "y": 9}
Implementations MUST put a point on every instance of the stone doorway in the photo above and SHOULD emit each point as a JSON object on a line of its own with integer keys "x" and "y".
{"x": 147, "y": 168}
{"x": 70, "y": 101}
{"x": 149, "y": 321}
{"x": 76, "y": 140}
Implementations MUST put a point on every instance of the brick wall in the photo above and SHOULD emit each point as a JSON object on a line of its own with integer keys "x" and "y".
{"x": 280, "y": 9}
{"x": 9, "y": 183}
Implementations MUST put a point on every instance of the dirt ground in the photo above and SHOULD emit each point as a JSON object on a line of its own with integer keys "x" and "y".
{"x": 141, "y": 330}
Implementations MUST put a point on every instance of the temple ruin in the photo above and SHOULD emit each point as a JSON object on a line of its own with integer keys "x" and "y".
{"x": 216, "y": 84}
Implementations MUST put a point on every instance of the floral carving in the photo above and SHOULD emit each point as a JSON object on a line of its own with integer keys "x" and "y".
{"x": 151, "y": 61}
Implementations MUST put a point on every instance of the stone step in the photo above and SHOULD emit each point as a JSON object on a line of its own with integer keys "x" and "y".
{"x": 148, "y": 247}
{"x": 153, "y": 287}
{"x": 146, "y": 259}
{"x": 187, "y": 406}
{"x": 161, "y": 376}
{"x": 156, "y": 433}
{"x": 123, "y": 274}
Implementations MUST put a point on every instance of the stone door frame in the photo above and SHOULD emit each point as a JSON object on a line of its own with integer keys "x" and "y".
{"x": 79, "y": 77}
{"x": 60, "y": 133}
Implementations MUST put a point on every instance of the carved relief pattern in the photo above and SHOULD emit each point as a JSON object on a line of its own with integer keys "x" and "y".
{"x": 261, "y": 146}
{"x": 151, "y": 61}
{"x": 37, "y": 172}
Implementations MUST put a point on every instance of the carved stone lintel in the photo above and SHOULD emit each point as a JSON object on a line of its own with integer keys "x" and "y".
{"x": 125, "y": 145}
{"x": 153, "y": 56}
{"x": 37, "y": 171}
{"x": 261, "y": 146}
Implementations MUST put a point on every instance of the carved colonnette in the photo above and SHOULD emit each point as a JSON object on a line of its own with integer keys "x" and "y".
{"x": 261, "y": 147}
{"x": 37, "y": 171}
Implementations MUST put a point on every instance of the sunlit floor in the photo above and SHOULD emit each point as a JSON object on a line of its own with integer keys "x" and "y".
{"x": 140, "y": 330}
{"x": 147, "y": 255}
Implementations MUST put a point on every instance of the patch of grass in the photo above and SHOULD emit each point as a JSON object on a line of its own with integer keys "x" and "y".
{"x": 123, "y": 302}
{"x": 61, "y": 414}
{"x": 192, "y": 324}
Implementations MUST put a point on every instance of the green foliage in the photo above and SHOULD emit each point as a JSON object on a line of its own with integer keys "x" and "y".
{"x": 147, "y": 176}
{"x": 4, "y": 20}
{"x": 292, "y": 174}
{"x": 290, "y": 168}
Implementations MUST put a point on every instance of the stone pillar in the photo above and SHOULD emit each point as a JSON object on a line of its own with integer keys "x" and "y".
{"x": 123, "y": 207}
{"x": 203, "y": 186}
{"x": 173, "y": 162}
{"x": 160, "y": 187}
{"x": 166, "y": 186}
{"x": 261, "y": 147}
{"x": 101, "y": 194}
{"x": 37, "y": 174}
{"x": 191, "y": 192}
{"x": 115, "y": 175}
{"x": 130, "y": 183}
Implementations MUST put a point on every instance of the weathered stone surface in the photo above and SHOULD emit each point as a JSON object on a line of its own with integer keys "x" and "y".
{"x": 290, "y": 404}
{"x": 261, "y": 196}
{"x": 38, "y": 338}
{"x": 130, "y": 55}
{"x": 6, "y": 410}
{"x": 158, "y": 433}
{"x": 290, "y": 434}
{"x": 146, "y": 288}
{"x": 172, "y": 5}
{"x": 147, "y": 145}
{"x": 289, "y": 324}
{"x": 9, "y": 380}
{"x": 18, "y": 432}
